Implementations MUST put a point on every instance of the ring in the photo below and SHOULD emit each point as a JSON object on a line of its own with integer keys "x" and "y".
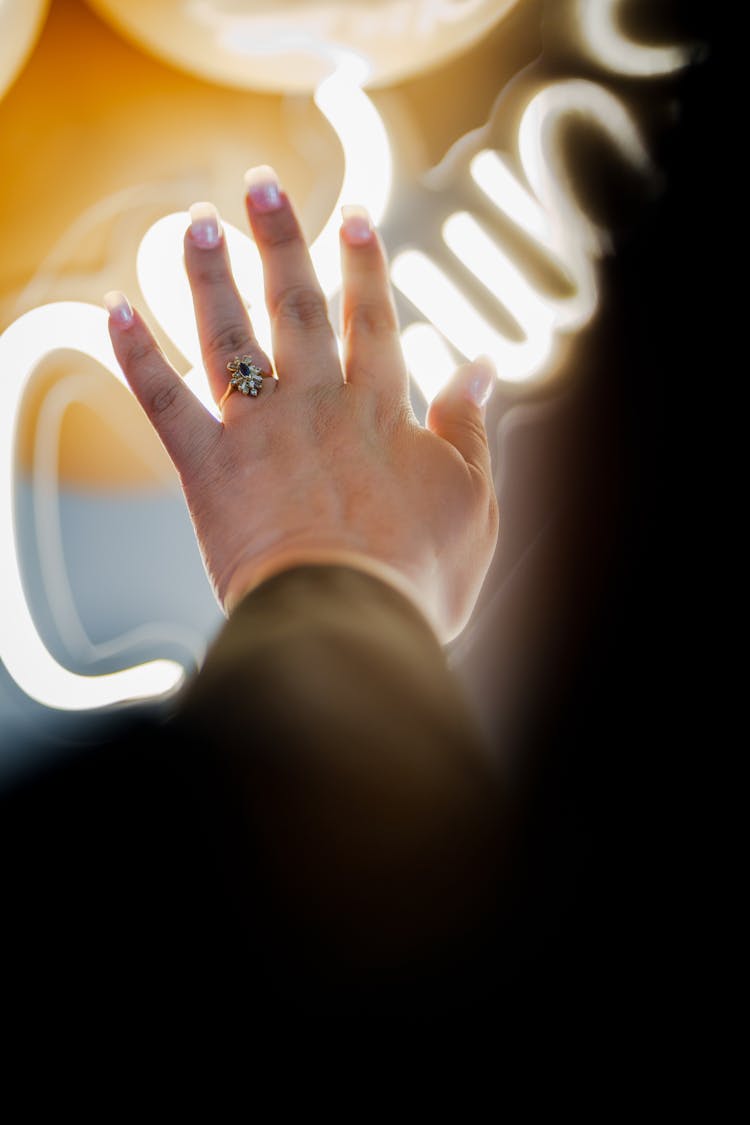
{"x": 247, "y": 378}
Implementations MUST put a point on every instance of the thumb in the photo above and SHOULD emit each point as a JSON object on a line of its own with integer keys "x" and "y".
{"x": 457, "y": 412}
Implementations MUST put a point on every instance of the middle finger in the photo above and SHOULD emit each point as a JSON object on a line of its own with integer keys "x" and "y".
{"x": 304, "y": 343}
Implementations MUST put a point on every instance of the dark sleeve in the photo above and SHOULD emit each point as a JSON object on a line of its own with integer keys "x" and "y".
{"x": 320, "y": 808}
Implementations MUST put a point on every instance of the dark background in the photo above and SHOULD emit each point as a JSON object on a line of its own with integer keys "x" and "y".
{"x": 619, "y": 873}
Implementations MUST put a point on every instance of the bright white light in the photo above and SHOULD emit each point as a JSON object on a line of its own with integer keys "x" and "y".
{"x": 570, "y": 247}
{"x": 428, "y": 358}
{"x": 439, "y": 299}
{"x": 548, "y": 175}
{"x": 22, "y": 347}
{"x": 602, "y": 38}
{"x": 533, "y": 313}
{"x": 436, "y": 296}
{"x": 368, "y": 172}
{"x": 492, "y": 173}
{"x": 546, "y": 210}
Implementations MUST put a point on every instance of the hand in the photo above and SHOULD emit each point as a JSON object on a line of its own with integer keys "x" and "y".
{"x": 329, "y": 463}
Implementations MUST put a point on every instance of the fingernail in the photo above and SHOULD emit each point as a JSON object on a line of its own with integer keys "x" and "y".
{"x": 205, "y": 225}
{"x": 119, "y": 307}
{"x": 262, "y": 185}
{"x": 357, "y": 225}
{"x": 481, "y": 381}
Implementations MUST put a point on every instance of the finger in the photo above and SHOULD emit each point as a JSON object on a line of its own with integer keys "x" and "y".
{"x": 304, "y": 343}
{"x": 457, "y": 413}
{"x": 224, "y": 327}
{"x": 372, "y": 349}
{"x": 185, "y": 427}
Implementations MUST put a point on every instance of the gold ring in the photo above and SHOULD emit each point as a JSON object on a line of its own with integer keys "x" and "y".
{"x": 247, "y": 378}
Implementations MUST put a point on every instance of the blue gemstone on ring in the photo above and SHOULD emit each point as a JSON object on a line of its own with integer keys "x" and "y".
{"x": 246, "y": 376}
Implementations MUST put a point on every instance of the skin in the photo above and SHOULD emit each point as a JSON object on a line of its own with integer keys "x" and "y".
{"x": 329, "y": 463}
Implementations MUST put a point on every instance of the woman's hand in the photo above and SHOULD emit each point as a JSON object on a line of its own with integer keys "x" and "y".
{"x": 329, "y": 463}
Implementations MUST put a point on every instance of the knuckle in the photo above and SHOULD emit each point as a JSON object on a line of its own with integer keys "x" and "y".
{"x": 205, "y": 268}
{"x": 226, "y": 341}
{"x": 303, "y": 307}
{"x": 139, "y": 353}
{"x": 473, "y": 433}
{"x": 371, "y": 318}
{"x": 475, "y": 427}
{"x": 281, "y": 233}
{"x": 163, "y": 400}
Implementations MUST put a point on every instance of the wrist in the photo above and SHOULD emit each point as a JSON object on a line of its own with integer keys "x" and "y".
{"x": 247, "y": 578}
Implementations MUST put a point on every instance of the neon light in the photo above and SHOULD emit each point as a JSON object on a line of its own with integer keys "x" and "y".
{"x": 492, "y": 173}
{"x": 439, "y": 299}
{"x": 604, "y": 40}
{"x": 286, "y": 45}
{"x": 22, "y": 347}
{"x": 47, "y": 519}
{"x": 541, "y": 157}
{"x": 549, "y": 213}
{"x": 429, "y": 361}
{"x": 534, "y": 313}
{"x": 368, "y": 173}
{"x": 20, "y": 24}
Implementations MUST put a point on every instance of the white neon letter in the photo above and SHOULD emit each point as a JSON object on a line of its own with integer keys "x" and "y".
{"x": 603, "y": 39}
{"x": 22, "y": 347}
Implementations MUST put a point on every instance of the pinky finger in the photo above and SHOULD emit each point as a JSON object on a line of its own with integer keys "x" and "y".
{"x": 184, "y": 426}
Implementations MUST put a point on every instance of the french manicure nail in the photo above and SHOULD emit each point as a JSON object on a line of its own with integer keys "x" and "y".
{"x": 357, "y": 225}
{"x": 482, "y": 380}
{"x": 262, "y": 185}
{"x": 205, "y": 225}
{"x": 119, "y": 308}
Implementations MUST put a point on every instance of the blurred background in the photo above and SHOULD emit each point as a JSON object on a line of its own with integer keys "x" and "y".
{"x": 588, "y": 117}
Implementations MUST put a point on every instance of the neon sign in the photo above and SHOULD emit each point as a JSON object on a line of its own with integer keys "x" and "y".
{"x": 531, "y": 192}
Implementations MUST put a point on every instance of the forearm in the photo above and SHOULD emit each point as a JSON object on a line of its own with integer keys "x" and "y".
{"x": 366, "y": 786}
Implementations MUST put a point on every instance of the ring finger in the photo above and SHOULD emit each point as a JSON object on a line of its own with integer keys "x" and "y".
{"x": 224, "y": 327}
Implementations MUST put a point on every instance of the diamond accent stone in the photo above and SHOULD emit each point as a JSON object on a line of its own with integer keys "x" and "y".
{"x": 246, "y": 377}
